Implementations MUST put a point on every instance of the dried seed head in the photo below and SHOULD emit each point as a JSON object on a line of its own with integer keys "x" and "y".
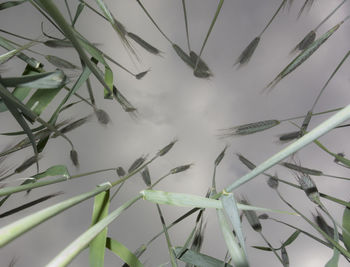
{"x": 120, "y": 171}
{"x": 166, "y": 149}
{"x": 251, "y": 128}
{"x": 74, "y": 157}
{"x": 284, "y": 256}
{"x": 180, "y": 169}
{"x": 290, "y": 136}
{"x": 263, "y": 216}
{"x": 145, "y": 45}
{"x": 248, "y": 52}
{"x": 27, "y": 163}
{"x": 146, "y": 177}
{"x": 141, "y": 74}
{"x": 301, "y": 169}
{"x": 137, "y": 163}
{"x": 252, "y": 217}
{"x": 309, "y": 187}
{"x": 220, "y": 157}
{"x": 246, "y": 162}
{"x": 102, "y": 116}
{"x": 272, "y": 182}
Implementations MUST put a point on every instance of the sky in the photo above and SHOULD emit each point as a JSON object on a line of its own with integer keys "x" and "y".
{"x": 173, "y": 104}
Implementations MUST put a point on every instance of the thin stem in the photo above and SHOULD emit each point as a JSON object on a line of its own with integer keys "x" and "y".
{"x": 186, "y": 25}
{"x": 325, "y": 235}
{"x": 68, "y": 9}
{"x": 329, "y": 79}
{"x": 304, "y": 232}
{"x": 271, "y": 247}
{"x": 273, "y": 17}
{"x": 19, "y": 36}
{"x": 313, "y": 114}
{"x": 218, "y": 9}
{"x": 330, "y": 14}
{"x": 154, "y": 23}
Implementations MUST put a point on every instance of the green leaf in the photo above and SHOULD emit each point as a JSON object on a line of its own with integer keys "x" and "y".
{"x": 19, "y": 118}
{"x": 20, "y": 92}
{"x": 72, "y": 250}
{"x": 291, "y": 239}
{"x": 41, "y": 99}
{"x": 123, "y": 252}
{"x": 187, "y": 200}
{"x": 238, "y": 256}
{"x": 9, "y": 4}
{"x": 346, "y": 226}
{"x": 230, "y": 206}
{"x": 10, "y": 54}
{"x": 56, "y": 170}
{"x": 47, "y": 80}
{"x": 60, "y": 62}
{"x": 198, "y": 259}
{"x": 21, "y": 226}
{"x": 97, "y": 246}
{"x": 78, "y": 12}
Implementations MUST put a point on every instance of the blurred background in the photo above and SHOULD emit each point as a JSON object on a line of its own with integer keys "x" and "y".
{"x": 173, "y": 104}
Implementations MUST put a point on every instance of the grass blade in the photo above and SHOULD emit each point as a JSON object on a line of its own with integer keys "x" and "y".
{"x": 97, "y": 245}
{"x": 123, "y": 252}
{"x": 237, "y": 254}
{"x": 346, "y": 226}
{"x": 198, "y": 259}
{"x": 19, "y": 227}
{"x": 73, "y": 249}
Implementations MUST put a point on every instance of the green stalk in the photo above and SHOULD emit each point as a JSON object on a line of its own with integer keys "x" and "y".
{"x": 218, "y": 9}
{"x": 19, "y": 227}
{"x": 74, "y": 248}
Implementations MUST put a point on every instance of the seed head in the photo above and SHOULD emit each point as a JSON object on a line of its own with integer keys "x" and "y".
{"x": 137, "y": 163}
{"x": 309, "y": 187}
{"x": 252, "y": 217}
{"x": 120, "y": 171}
{"x": 248, "y": 52}
{"x": 272, "y": 182}
{"x": 180, "y": 169}
{"x": 27, "y": 163}
{"x": 301, "y": 169}
{"x": 250, "y": 128}
{"x": 167, "y": 148}
{"x": 220, "y": 157}
{"x": 102, "y": 116}
{"x": 290, "y": 136}
{"x": 146, "y": 177}
{"x": 74, "y": 157}
{"x": 246, "y": 162}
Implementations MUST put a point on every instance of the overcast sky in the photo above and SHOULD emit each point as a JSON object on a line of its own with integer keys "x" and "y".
{"x": 172, "y": 103}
